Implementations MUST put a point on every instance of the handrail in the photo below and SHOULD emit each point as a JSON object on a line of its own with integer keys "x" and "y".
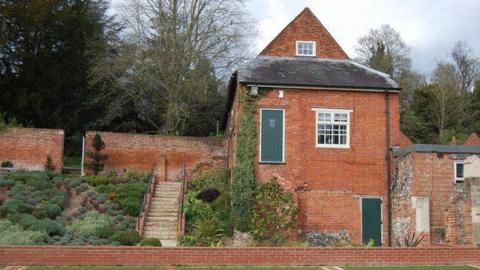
{"x": 144, "y": 207}
{"x": 181, "y": 199}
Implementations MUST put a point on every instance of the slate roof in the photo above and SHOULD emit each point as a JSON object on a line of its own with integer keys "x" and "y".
{"x": 436, "y": 148}
{"x": 313, "y": 72}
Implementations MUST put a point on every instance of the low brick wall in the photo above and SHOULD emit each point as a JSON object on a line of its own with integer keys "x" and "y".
{"x": 138, "y": 152}
{"x": 27, "y": 148}
{"x": 150, "y": 256}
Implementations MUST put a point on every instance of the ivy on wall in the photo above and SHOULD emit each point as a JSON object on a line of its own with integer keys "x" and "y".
{"x": 244, "y": 181}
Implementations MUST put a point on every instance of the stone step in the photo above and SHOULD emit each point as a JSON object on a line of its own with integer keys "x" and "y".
{"x": 162, "y": 238}
{"x": 160, "y": 223}
{"x": 167, "y": 193}
{"x": 158, "y": 209}
{"x": 161, "y": 234}
{"x": 160, "y": 229}
{"x": 163, "y": 216}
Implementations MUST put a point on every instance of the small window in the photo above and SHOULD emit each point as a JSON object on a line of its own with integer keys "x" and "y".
{"x": 333, "y": 128}
{"x": 306, "y": 48}
{"x": 459, "y": 171}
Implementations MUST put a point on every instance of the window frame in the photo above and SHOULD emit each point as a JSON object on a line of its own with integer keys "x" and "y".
{"x": 314, "y": 43}
{"x": 260, "y": 137}
{"x": 348, "y": 123}
{"x": 455, "y": 178}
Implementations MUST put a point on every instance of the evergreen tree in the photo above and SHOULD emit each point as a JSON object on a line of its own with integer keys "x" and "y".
{"x": 96, "y": 156}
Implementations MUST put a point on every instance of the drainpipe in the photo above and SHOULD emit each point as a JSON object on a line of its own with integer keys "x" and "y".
{"x": 387, "y": 161}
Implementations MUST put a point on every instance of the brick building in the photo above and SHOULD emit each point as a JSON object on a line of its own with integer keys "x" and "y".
{"x": 325, "y": 125}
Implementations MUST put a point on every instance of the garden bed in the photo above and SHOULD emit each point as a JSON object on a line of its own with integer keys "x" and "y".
{"x": 38, "y": 208}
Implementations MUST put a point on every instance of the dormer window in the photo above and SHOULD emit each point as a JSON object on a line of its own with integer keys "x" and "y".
{"x": 306, "y": 48}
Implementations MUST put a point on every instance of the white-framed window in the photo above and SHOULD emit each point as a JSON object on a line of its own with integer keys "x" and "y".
{"x": 458, "y": 170}
{"x": 306, "y": 48}
{"x": 332, "y": 128}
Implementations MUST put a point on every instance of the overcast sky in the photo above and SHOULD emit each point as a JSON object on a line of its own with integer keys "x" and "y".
{"x": 429, "y": 27}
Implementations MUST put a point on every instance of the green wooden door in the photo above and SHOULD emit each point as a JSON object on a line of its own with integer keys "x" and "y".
{"x": 372, "y": 220}
{"x": 271, "y": 148}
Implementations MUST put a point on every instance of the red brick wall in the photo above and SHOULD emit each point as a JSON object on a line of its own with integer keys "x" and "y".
{"x": 139, "y": 152}
{"x": 305, "y": 27}
{"x": 359, "y": 170}
{"x": 28, "y": 148}
{"x": 473, "y": 140}
{"x": 151, "y": 256}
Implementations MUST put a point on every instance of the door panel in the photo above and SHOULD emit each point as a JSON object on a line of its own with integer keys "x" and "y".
{"x": 372, "y": 220}
{"x": 272, "y": 136}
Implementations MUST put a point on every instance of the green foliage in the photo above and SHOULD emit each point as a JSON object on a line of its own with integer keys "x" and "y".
{"x": 96, "y": 157}
{"x": 69, "y": 36}
{"x": 97, "y": 180}
{"x": 151, "y": 241}
{"x": 48, "y": 210}
{"x": 14, "y": 206}
{"x": 208, "y": 233}
{"x": 47, "y": 225}
{"x": 244, "y": 181}
{"x": 12, "y": 234}
{"x": 274, "y": 214}
{"x": 49, "y": 164}
{"x": 196, "y": 211}
{"x": 104, "y": 232}
{"x": 128, "y": 195}
{"x": 6, "y": 164}
{"x": 127, "y": 238}
{"x": 91, "y": 223}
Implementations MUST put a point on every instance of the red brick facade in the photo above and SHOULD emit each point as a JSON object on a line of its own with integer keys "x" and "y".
{"x": 472, "y": 140}
{"x": 305, "y": 27}
{"x": 152, "y": 256}
{"x": 172, "y": 154}
{"x": 28, "y": 148}
{"x": 432, "y": 175}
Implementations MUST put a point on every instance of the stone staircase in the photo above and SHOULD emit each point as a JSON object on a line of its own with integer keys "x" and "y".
{"x": 162, "y": 217}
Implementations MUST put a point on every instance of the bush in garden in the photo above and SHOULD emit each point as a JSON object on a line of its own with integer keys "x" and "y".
{"x": 7, "y": 164}
{"x": 131, "y": 206}
{"x": 127, "y": 238}
{"x": 48, "y": 211}
{"x": 208, "y": 195}
{"x": 74, "y": 182}
{"x": 96, "y": 157}
{"x": 90, "y": 223}
{"x": 151, "y": 241}
{"x": 9, "y": 183}
{"x": 196, "y": 210}
{"x": 104, "y": 232}
{"x": 82, "y": 188}
{"x": 208, "y": 233}
{"x": 98, "y": 180}
{"x": 14, "y": 206}
{"x": 47, "y": 225}
{"x": 274, "y": 213}
{"x": 12, "y": 234}
{"x": 49, "y": 164}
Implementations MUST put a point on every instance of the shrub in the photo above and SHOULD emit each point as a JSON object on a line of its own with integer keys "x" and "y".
{"x": 104, "y": 232}
{"x": 274, "y": 213}
{"x": 97, "y": 180}
{"x": 127, "y": 238}
{"x": 9, "y": 183}
{"x": 134, "y": 176}
{"x": 74, "y": 182}
{"x": 151, "y": 241}
{"x": 7, "y": 164}
{"x": 197, "y": 210}
{"x": 82, "y": 188}
{"x": 47, "y": 225}
{"x": 14, "y": 206}
{"x": 96, "y": 157}
{"x": 208, "y": 233}
{"x": 90, "y": 223}
{"x": 48, "y": 211}
{"x": 49, "y": 164}
{"x": 208, "y": 195}
{"x": 131, "y": 206}
{"x": 11, "y": 234}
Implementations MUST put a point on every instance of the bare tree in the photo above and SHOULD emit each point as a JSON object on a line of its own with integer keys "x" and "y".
{"x": 174, "y": 58}
{"x": 383, "y": 49}
{"x": 466, "y": 64}
{"x": 447, "y": 95}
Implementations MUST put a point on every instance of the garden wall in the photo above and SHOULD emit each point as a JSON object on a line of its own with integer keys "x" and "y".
{"x": 150, "y": 256}
{"x": 172, "y": 154}
{"x": 27, "y": 148}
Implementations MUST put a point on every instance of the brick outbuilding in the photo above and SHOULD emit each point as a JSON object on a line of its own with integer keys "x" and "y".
{"x": 325, "y": 125}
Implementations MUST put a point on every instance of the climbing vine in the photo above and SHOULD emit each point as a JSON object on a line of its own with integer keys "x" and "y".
{"x": 244, "y": 182}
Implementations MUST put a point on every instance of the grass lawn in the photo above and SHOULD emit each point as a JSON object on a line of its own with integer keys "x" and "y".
{"x": 261, "y": 268}
{"x": 412, "y": 268}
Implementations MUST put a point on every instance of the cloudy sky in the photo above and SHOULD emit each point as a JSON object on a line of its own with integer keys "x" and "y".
{"x": 429, "y": 27}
